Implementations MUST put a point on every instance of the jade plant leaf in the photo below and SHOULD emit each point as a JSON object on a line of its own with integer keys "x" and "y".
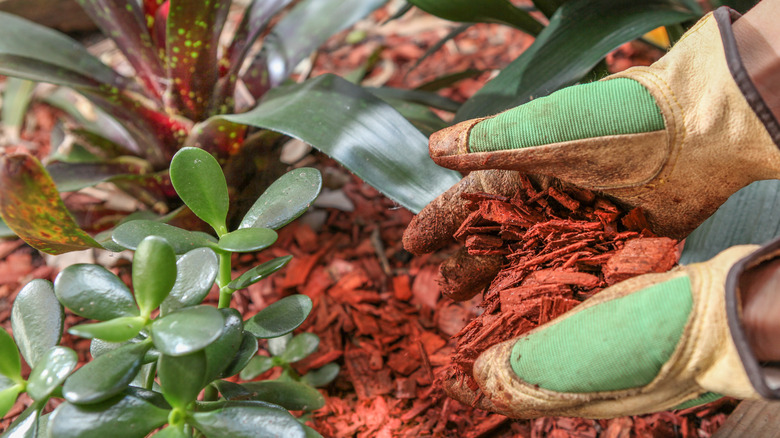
{"x": 246, "y": 351}
{"x": 247, "y": 421}
{"x": 289, "y": 394}
{"x": 284, "y": 200}
{"x": 10, "y": 362}
{"x": 182, "y": 377}
{"x": 221, "y": 352}
{"x": 277, "y": 345}
{"x": 198, "y": 179}
{"x": 26, "y": 424}
{"x": 106, "y": 375}
{"x": 124, "y": 416}
{"x": 258, "y": 365}
{"x": 31, "y": 206}
{"x": 119, "y": 329}
{"x": 280, "y": 318}
{"x": 187, "y": 330}
{"x": 8, "y": 397}
{"x": 195, "y": 275}
{"x": 154, "y": 273}
{"x": 488, "y": 11}
{"x": 259, "y": 272}
{"x": 300, "y": 346}
{"x": 50, "y": 372}
{"x": 130, "y": 234}
{"x": 172, "y": 432}
{"x": 247, "y": 239}
{"x": 37, "y": 320}
{"x": 580, "y": 34}
{"x": 374, "y": 141}
{"x": 94, "y": 292}
{"x": 322, "y": 376}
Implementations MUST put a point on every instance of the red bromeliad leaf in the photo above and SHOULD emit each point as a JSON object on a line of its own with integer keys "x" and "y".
{"x": 123, "y": 22}
{"x": 217, "y": 136}
{"x": 192, "y": 35}
{"x": 32, "y": 208}
{"x": 151, "y": 8}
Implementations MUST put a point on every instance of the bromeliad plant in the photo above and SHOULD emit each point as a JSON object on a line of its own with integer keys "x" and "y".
{"x": 157, "y": 348}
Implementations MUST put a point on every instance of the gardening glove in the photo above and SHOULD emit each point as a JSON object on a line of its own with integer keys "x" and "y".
{"x": 676, "y": 138}
{"x": 651, "y": 343}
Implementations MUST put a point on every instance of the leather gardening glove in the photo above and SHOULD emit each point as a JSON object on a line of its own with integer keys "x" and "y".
{"x": 651, "y": 343}
{"x": 676, "y": 139}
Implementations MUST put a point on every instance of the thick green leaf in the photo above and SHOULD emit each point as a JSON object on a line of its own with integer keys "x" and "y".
{"x": 322, "y": 376}
{"x": 94, "y": 292}
{"x": 747, "y": 217}
{"x": 289, "y": 394}
{"x": 248, "y": 239}
{"x": 119, "y": 329}
{"x": 192, "y": 38}
{"x": 278, "y": 345}
{"x": 311, "y": 433}
{"x": 130, "y": 234}
{"x": 182, "y": 377}
{"x": 10, "y": 362}
{"x": 259, "y": 272}
{"x": 284, "y": 200}
{"x": 231, "y": 390}
{"x": 247, "y": 422}
{"x": 32, "y": 51}
{"x": 154, "y": 273}
{"x": 172, "y": 432}
{"x": 246, "y": 351}
{"x": 489, "y": 11}
{"x": 221, "y": 352}
{"x": 50, "y": 372}
{"x": 359, "y": 130}
{"x": 124, "y": 416}
{"x": 106, "y": 376}
{"x": 198, "y": 179}
{"x": 26, "y": 424}
{"x": 580, "y": 34}
{"x": 258, "y": 365}
{"x": 31, "y": 206}
{"x": 37, "y": 320}
{"x": 300, "y": 346}
{"x": 8, "y": 397}
{"x": 187, "y": 330}
{"x": 280, "y": 318}
{"x": 16, "y": 97}
{"x": 195, "y": 275}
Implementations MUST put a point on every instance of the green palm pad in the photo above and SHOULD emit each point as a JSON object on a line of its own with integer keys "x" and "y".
{"x": 597, "y": 109}
{"x": 615, "y": 345}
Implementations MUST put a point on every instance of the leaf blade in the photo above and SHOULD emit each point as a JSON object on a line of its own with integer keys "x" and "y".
{"x": 198, "y": 179}
{"x": 280, "y": 318}
{"x": 37, "y": 320}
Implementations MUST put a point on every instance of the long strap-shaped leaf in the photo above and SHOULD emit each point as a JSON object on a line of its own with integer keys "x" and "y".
{"x": 255, "y": 19}
{"x": 359, "y": 130}
{"x": 491, "y": 11}
{"x": 580, "y": 34}
{"x": 31, "y": 206}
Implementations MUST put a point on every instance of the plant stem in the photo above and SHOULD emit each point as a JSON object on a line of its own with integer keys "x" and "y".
{"x": 225, "y": 293}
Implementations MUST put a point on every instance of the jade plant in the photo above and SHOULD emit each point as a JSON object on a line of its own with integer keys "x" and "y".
{"x": 160, "y": 356}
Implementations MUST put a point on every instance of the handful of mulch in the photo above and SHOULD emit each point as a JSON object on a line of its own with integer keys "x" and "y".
{"x": 561, "y": 245}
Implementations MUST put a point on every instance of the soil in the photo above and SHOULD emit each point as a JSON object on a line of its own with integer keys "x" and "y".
{"x": 378, "y": 310}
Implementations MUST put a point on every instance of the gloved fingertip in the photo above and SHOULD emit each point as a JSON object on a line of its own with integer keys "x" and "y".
{"x": 463, "y": 276}
{"x": 448, "y": 145}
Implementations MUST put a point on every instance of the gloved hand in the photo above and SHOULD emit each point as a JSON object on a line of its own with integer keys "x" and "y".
{"x": 676, "y": 139}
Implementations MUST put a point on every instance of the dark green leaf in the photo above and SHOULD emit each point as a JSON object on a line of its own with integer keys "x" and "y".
{"x": 548, "y": 7}
{"x": 422, "y": 97}
{"x": 284, "y": 200}
{"x": 154, "y": 273}
{"x": 247, "y": 422}
{"x": 291, "y": 395}
{"x": 322, "y": 376}
{"x": 187, "y": 330}
{"x": 246, "y": 351}
{"x": 300, "y": 346}
{"x": 311, "y": 433}
{"x": 16, "y": 97}
{"x": 99, "y": 347}
{"x": 37, "y": 320}
{"x": 195, "y": 274}
{"x": 119, "y": 329}
{"x": 31, "y": 206}
{"x": 365, "y": 134}
{"x": 231, "y": 390}
{"x": 259, "y": 272}
{"x": 106, "y": 376}
{"x": 280, "y": 318}
{"x": 258, "y": 365}
{"x": 124, "y": 416}
{"x": 198, "y": 179}
{"x": 70, "y": 177}
{"x": 182, "y": 377}
{"x": 50, "y": 372}
{"x": 425, "y": 120}
{"x": 26, "y": 424}
{"x": 221, "y": 352}
{"x": 489, "y": 11}
{"x": 580, "y": 34}
{"x": 10, "y": 362}
{"x": 747, "y": 217}
{"x": 8, "y": 397}
{"x": 94, "y": 292}
{"x": 130, "y": 234}
{"x": 247, "y": 239}
{"x": 192, "y": 38}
